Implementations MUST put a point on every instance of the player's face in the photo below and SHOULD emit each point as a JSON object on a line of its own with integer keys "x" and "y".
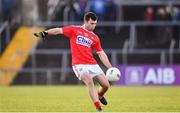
{"x": 90, "y": 25}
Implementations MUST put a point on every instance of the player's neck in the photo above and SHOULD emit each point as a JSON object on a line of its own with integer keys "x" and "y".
{"x": 83, "y": 26}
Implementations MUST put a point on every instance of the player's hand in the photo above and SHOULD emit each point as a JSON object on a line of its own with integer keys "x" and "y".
{"x": 42, "y": 34}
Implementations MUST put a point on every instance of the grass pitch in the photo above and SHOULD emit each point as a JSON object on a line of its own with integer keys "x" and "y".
{"x": 76, "y": 99}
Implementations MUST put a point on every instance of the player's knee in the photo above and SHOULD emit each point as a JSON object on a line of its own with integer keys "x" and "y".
{"x": 88, "y": 80}
{"x": 106, "y": 86}
{"x": 90, "y": 83}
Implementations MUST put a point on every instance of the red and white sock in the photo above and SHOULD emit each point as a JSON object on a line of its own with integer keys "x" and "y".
{"x": 97, "y": 105}
{"x": 100, "y": 94}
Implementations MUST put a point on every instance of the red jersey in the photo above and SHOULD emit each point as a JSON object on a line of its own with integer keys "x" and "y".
{"x": 81, "y": 42}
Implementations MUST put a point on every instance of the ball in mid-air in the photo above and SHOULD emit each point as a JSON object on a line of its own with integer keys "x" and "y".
{"x": 113, "y": 74}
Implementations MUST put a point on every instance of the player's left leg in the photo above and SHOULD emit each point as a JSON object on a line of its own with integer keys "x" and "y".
{"x": 104, "y": 85}
{"x": 82, "y": 73}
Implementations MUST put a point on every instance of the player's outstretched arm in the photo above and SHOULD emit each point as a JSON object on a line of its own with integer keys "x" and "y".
{"x": 104, "y": 59}
{"x": 49, "y": 32}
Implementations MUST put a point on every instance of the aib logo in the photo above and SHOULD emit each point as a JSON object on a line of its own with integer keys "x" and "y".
{"x": 83, "y": 41}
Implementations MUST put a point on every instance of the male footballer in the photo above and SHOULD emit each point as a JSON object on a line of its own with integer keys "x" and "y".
{"x": 82, "y": 40}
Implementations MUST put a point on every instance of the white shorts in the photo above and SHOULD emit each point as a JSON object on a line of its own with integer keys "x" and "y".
{"x": 92, "y": 70}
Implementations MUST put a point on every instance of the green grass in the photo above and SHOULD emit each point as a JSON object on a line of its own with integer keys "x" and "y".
{"x": 76, "y": 98}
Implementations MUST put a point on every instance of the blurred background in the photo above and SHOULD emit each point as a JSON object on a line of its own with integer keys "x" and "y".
{"x": 141, "y": 38}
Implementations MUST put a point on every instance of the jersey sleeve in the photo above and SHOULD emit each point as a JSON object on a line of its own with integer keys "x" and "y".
{"x": 67, "y": 31}
{"x": 97, "y": 46}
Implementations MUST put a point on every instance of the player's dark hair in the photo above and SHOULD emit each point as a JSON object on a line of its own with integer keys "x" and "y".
{"x": 90, "y": 15}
